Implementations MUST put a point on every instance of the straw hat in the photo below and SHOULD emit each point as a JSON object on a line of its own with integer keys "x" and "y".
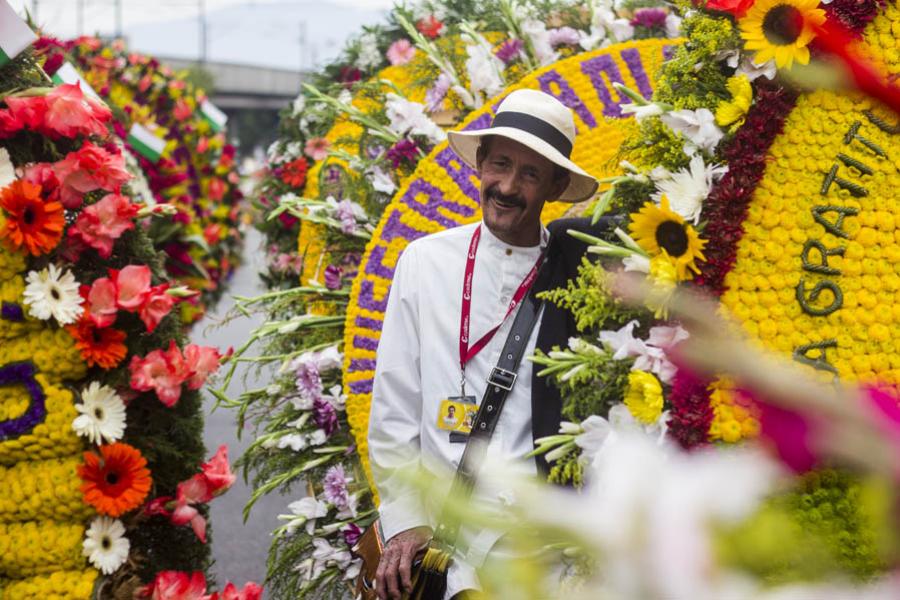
{"x": 540, "y": 122}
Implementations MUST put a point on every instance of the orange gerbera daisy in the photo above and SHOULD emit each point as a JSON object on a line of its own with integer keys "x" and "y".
{"x": 115, "y": 481}
{"x": 30, "y": 220}
{"x": 98, "y": 346}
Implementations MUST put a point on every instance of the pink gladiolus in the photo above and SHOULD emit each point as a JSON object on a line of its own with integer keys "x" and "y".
{"x": 156, "y": 306}
{"x": 24, "y": 113}
{"x": 401, "y": 52}
{"x": 101, "y": 302}
{"x": 133, "y": 286}
{"x": 176, "y": 585}
{"x": 162, "y": 372}
{"x": 70, "y": 112}
{"x": 218, "y": 472}
{"x": 89, "y": 168}
{"x": 43, "y": 175}
{"x": 203, "y": 361}
{"x": 102, "y": 223}
{"x": 317, "y": 148}
{"x": 251, "y": 591}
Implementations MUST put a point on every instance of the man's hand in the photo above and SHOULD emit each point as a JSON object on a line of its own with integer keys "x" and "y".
{"x": 395, "y": 567}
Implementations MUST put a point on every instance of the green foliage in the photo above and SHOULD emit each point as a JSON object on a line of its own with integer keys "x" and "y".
{"x": 567, "y": 470}
{"x": 588, "y": 299}
{"x": 606, "y": 389}
{"x": 830, "y": 523}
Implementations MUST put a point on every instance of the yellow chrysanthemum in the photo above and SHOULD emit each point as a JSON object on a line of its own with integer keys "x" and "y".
{"x": 781, "y": 30}
{"x": 734, "y": 111}
{"x": 658, "y": 229}
{"x": 644, "y": 397}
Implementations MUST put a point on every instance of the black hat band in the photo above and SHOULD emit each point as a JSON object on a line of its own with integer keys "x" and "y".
{"x": 534, "y": 126}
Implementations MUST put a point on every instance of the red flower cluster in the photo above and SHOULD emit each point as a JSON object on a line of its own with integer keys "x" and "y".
{"x": 87, "y": 169}
{"x": 691, "y": 413}
{"x": 129, "y": 290}
{"x": 178, "y": 585}
{"x": 294, "y": 173}
{"x": 738, "y": 8}
{"x": 164, "y": 371}
{"x": 430, "y": 27}
{"x": 100, "y": 224}
{"x": 213, "y": 480}
{"x": 64, "y": 112}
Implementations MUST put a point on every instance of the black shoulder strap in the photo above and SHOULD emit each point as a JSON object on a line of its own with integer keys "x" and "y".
{"x": 500, "y": 382}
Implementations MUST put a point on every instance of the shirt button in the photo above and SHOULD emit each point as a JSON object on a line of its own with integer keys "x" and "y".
{"x": 509, "y": 251}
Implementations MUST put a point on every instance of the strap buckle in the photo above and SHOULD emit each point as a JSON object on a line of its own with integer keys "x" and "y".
{"x": 502, "y": 378}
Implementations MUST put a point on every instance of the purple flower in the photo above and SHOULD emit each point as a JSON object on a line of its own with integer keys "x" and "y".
{"x": 403, "y": 151}
{"x": 346, "y": 216}
{"x": 12, "y": 312}
{"x": 650, "y": 18}
{"x": 325, "y": 416}
{"x": 335, "y": 487}
{"x": 333, "y": 277}
{"x": 436, "y": 94}
{"x": 563, "y": 36}
{"x": 22, "y": 373}
{"x": 510, "y": 50}
{"x": 352, "y": 533}
{"x": 309, "y": 382}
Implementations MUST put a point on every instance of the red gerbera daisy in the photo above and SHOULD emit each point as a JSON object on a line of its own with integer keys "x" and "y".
{"x": 98, "y": 346}
{"x": 115, "y": 481}
{"x": 430, "y": 27}
{"x": 294, "y": 173}
{"x": 30, "y": 220}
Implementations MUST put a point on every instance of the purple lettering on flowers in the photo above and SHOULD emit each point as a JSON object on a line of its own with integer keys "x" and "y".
{"x": 22, "y": 373}
{"x": 459, "y": 172}
{"x": 375, "y": 264}
{"x": 367, "y": 323}
{"x": 554, "y": 84}
{"x": 11, "y": 311}
{"x": 394, "y": 227}
{"x": 632, "y": 58}
{"x": 434, "y": 201}
{"x": 365, "y": 343}
{"x": 364, "y": 386}
{"x": 362, "y": 364}
{"x": 325, "y": 416}
{"x": 594, "y": 68}
{"x": 334, "y": 487}
{"x": 367, "y": 297}
{"x": 669, "y": 51}
{"x": 482, "y": 122}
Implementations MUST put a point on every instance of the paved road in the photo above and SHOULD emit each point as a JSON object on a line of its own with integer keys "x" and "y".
{"x": 239, "y": 548}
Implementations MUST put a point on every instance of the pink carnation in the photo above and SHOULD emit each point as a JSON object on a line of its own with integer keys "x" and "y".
{"x": 401, "y": 52}
{"x": 102, "y": 223}
{"x": 87, "y": 169}
{"x": 317, "y": 148}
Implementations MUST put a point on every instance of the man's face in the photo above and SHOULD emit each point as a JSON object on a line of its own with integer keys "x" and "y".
{"x": 515, "y": 183}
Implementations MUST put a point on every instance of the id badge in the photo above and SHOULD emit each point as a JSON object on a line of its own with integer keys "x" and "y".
{"x": 456, "y": 415}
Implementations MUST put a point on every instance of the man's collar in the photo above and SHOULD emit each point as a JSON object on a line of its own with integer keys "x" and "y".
{"x": 492, "y": 241}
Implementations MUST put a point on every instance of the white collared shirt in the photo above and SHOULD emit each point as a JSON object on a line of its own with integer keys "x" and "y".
{"x": 418, "y": 366}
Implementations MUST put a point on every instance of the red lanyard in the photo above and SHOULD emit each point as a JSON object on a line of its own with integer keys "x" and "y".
{"x": 466, "y": 352}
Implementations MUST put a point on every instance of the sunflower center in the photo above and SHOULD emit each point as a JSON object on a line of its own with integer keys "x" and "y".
{"x": 671, "y": 236}
{"x": 28, "y": 216}
{"x": 783, "y": 25}
{"x": 112, "y": 478}
{"x": 106, "y": 543}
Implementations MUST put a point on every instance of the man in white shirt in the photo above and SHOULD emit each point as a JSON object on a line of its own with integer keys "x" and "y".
{"x": 469, "y": 280}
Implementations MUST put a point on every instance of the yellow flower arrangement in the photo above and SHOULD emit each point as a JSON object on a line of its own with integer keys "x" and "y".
{"x": 31, "y": 548}
{"x": 781, "y": 30}
{"x": 59, "y": 585}
{"x": 817, "y": 275}
{"x": 37, "y": 490}
{"x": 734, "y": 419}
{"x": 732, "y": 112}
{"x": 644, "y": 397}
{"x": 659, "y": 230}
{"x": 596, "y": 148}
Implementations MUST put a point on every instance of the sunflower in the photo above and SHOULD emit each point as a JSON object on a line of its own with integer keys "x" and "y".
{"x": 781, "y": 30}
{"x": 658, "y": 230}
{"x": 98, "y": 346}
{"x": 30, "y": 221}
{"x": 116, "y": 481}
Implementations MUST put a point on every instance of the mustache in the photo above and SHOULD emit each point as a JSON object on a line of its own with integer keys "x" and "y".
{"x": 494, "y": 194}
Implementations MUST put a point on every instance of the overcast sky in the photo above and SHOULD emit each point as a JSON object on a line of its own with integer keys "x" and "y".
{"x": 261, "y": 32}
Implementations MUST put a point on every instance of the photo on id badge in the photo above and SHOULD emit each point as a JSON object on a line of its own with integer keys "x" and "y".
{"x": 456, "y": 415}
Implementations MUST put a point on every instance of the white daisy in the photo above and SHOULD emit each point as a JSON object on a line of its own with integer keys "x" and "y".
{"x": 52, "y": 292}
{"x": 102, "y": 415}
{"x": 7, "y": 170}
{"x": 105, "y": 544}
{"x": 687, "y": 189}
